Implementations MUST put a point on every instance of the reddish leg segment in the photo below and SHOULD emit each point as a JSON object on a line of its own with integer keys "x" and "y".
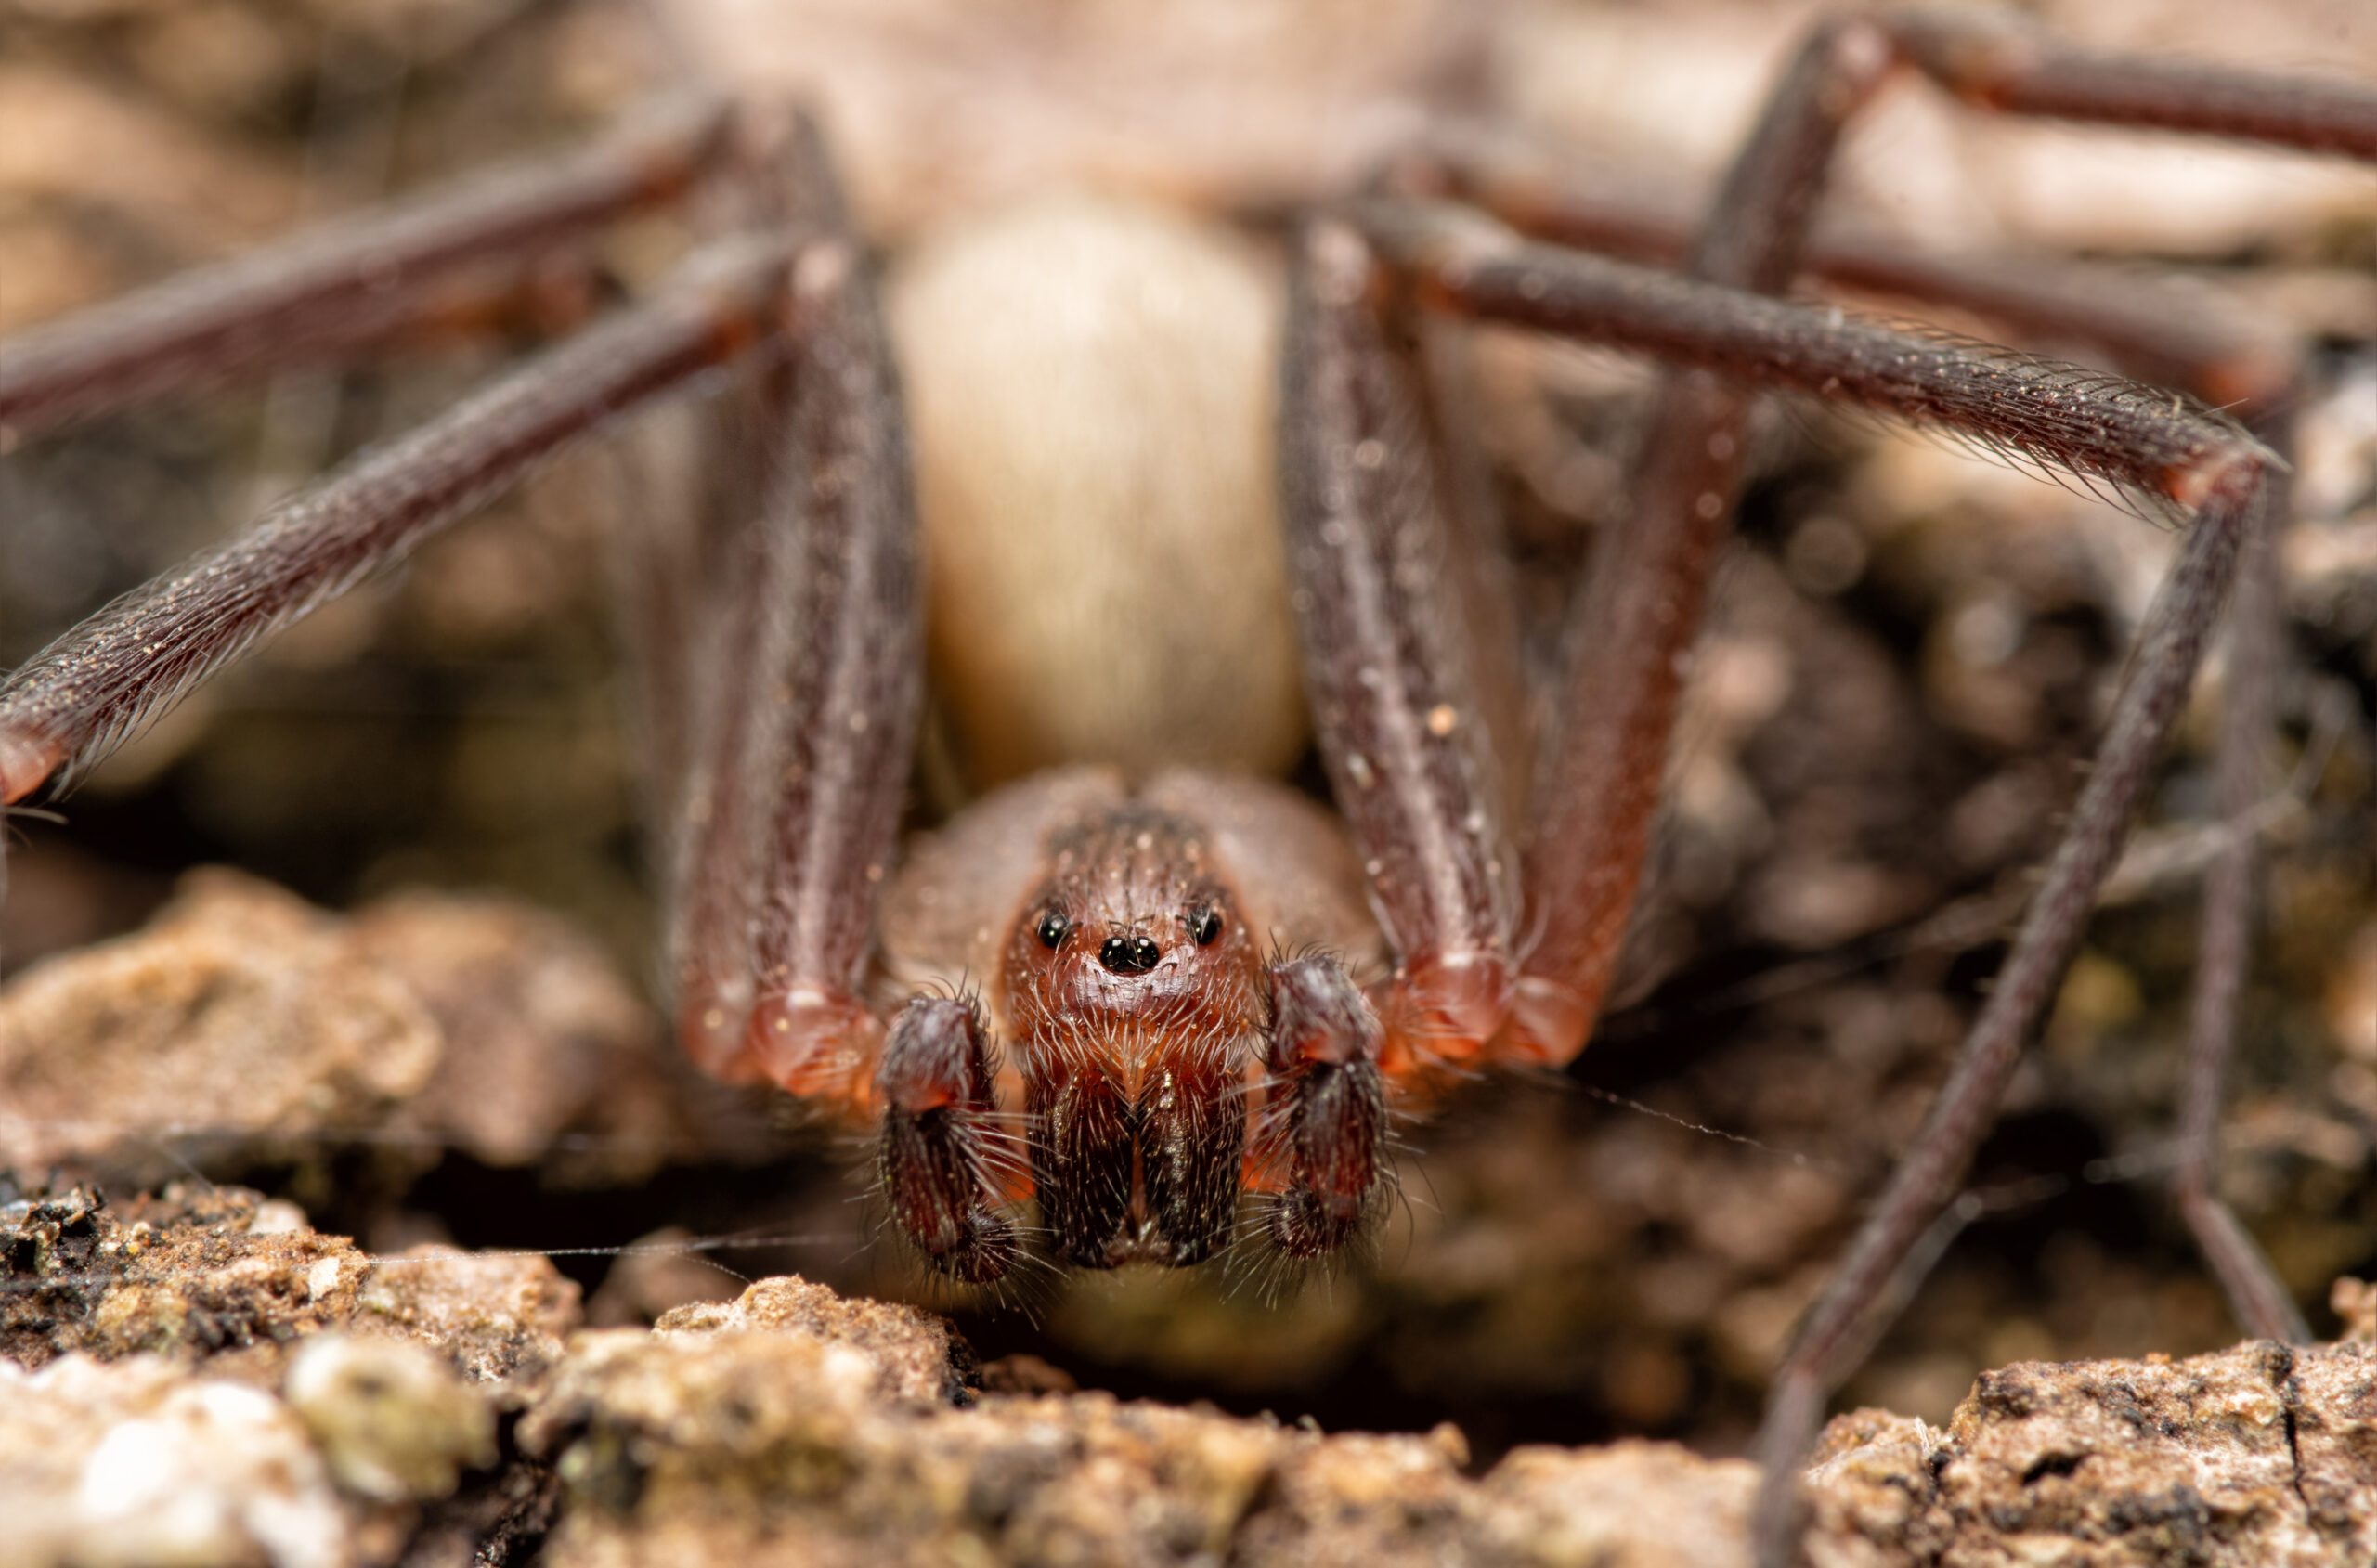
{"x": 809, "y": 692}
{"x": 1629, "y": 637}
{"x": 844, "y": 705}
{"x": 1386, "y": 667}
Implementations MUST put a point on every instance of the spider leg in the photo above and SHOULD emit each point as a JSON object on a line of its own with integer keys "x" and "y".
{"x": 1993, "y": 63}
{"x": 1629, "y": 633}
{"x": 2130, "y": 434}
{"x": 1322, "y": 1124}
{"x": 837, "y": 675}
{"x": 81, "y": 696}
{"x": 454, "y": 253}
{"x": 946, "y": 1165}
{"x": 2224, "y": 945}
{"x": 2159, "y": 337}
{"x": 1388, "y": 662}
{"x": 1754, "y": 239}
{"x": 805, "y": 687}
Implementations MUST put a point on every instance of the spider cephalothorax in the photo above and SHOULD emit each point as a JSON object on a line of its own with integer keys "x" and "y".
{"x": 1142, "y": 1058}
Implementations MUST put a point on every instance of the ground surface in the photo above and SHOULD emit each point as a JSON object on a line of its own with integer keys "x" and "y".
{"x": 199, "y": 1377}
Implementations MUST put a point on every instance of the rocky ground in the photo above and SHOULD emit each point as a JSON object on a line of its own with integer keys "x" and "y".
{"x": 199, "y": 1378}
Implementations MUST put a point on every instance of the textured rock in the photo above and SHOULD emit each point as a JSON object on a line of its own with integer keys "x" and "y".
{"x": 747, "y": 1446}
{"x": 243, "y": 1024}
{"x": 138, "y": 1461}
{"x": 392, "y": 1418}
{"x": 241, "y": 1013}
{"x": 192, "y": 1276}
{"x": 205, "y": 1379}
{"x": 2258, "y": 1454}
{"x": 919, "y": 1360}
{"x": 542, "y": 1036}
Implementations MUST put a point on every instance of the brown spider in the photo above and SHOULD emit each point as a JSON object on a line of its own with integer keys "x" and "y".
{"x": 1174, "y": 999}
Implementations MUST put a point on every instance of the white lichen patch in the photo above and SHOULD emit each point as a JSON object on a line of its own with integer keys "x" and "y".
{"x": 136, "y": 1462}
{"x": 393, "y": 1420}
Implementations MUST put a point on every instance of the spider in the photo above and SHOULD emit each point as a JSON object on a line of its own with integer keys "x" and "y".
{"x": 1191, "y": 998}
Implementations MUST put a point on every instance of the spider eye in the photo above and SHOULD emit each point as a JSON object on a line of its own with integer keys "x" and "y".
{"x": 1206, "y": 925}
{"x": 1052, "y": 929}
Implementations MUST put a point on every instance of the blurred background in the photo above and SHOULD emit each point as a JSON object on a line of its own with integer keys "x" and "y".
{"x": 1908, "y": 655}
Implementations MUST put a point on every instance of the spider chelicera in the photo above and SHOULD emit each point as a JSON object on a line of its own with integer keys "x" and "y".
{"x": 1144, "y": 1009}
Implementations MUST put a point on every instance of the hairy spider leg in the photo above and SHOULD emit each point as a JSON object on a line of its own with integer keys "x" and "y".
{"x": 1389, "y": 663}
{"x": 2154, "y": 334}
{"x": 452, "y": 259}
{"x": 1999, "y": 65}
{"x": 88, "y": 691}
{"x": 1757, "y": 234}
{"x": 787, "y": 831}
{"x": 2157, "y": 336}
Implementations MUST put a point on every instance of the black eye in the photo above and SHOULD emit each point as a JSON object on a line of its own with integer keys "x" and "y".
{"x": 1205, "y": 924}
{"x": 1052, "y": 930}
{"x": 1129, "y": 955}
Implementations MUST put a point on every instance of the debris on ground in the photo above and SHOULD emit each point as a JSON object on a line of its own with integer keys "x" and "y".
{"x": 196, "y": 1379}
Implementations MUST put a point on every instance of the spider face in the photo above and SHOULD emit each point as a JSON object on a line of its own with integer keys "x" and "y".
{"x": 1138, "y": 1043}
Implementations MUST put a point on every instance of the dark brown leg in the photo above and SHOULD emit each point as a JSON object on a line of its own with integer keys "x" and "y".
{"x": 2161, "y": 668}
{"x": 733, "y": 637}
{"x": 85, "y": 693}
{"x": 2167, "y": 337}
{"x": 2004, "y": 69}
{"x": 2132, "y": 435}
{"x": 840, "y": 696}
{"x": 452, "y": 252}
{"x": 1997, "y": 63}
{"x": 1630, "y": 632}
{"x": 752, "y": 626}
{"x": 2172, "y": 341}
{"x": 2168, "y": 453}
{"x": 1387, "y": 668}
{"x": 2224, "y": 950}
{"x": 1320, "y": 1137}
{"x": 946, "y": 1163}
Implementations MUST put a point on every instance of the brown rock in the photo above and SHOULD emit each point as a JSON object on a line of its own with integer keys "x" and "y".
{"x": 190, "y": 1276}
{"x": 241, "y": 1013}
{"x": 919, "y": 1360}
{"x": 243, "y": 1024}
{"x": 795, "y": 1425}
{"x": 543, "y": 1037}
{"x": 2255, "y": 1455}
